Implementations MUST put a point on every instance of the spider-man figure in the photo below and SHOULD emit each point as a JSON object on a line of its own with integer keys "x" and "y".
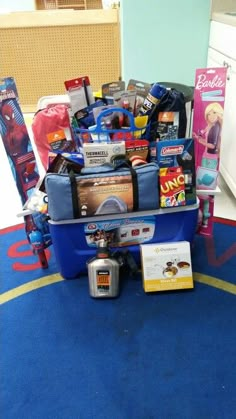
{"x": 16, "y": 138}
{"x": 16, "y": 141}
{"x": 23, "y": 165}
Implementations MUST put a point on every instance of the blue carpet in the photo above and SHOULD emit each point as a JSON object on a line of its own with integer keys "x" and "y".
{"x": 166, "y": 355}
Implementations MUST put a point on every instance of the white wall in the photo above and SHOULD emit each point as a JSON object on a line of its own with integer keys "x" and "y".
{"x": 16, "y": 5}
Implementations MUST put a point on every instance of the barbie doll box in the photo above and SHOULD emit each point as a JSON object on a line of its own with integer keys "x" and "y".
{"x": 166, "y": 266}
{"x": 209, "y": 98}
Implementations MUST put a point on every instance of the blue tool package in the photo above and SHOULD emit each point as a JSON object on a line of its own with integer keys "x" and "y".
{"x": 102, "y": 190}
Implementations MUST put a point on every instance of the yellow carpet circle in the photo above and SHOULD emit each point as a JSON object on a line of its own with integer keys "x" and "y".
{"x": 54, "y": 278}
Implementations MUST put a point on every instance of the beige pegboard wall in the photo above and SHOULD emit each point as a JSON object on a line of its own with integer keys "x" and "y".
{"x": 41, "y": 58}
{"x": 94, "y": 4}
{"x": 73, "y": 4}
{"x": 54, "y": 4}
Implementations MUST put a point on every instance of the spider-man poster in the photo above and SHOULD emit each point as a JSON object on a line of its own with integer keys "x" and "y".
{"x": 16, "y": 140}
{"x": 23, "y": 164}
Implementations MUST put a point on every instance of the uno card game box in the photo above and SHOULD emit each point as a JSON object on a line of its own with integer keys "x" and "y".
{"x": 172, "y": 187}
{"x": 179, "y": 153}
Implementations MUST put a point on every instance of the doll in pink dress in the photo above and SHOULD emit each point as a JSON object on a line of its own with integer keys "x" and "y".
{"x": 210, "y": 137}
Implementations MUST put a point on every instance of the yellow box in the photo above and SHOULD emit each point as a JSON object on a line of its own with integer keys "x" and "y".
{"x": 166, "y": 266}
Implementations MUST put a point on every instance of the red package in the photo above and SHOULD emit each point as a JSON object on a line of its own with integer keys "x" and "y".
{"x": 52, "y": 131}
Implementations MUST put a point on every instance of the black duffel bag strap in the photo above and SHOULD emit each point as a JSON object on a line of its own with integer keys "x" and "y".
{"x": 135, "y": 188}
{"x": 74, "y": 194}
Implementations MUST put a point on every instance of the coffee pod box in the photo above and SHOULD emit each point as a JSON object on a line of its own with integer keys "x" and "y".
{"x": 166, "y": 266}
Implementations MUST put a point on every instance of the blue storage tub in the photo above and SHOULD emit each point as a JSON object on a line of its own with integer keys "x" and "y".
{"x": 74, "y": 241}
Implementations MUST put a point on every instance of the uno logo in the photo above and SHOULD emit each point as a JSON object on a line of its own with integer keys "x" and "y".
{"x": 170, "y": 185}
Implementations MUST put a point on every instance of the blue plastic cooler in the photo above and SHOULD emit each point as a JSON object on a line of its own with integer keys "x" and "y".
{"x": 74, "y": 241}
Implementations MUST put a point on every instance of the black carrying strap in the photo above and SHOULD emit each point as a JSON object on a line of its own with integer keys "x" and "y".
{"x": 74, "y": 194}
{"x": 135, "y": 188}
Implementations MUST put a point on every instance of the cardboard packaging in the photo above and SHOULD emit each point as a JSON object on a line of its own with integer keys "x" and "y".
{"x": 106, "y": 195}
{"x": 16, "y": 140}
{"x": 167, "y": 125}
{"x": 108, "y": 89}
{"x": 79, "y": 92}
{"x": 166, "y": 266}
{"x": 180, "y": 153}
{"x": 137, "y": 148}
{"x": 141, "y": 88}
{"x": 97, "y": 154}
{"x": 209, "y": 99}
{"x": 172, "y": 187}
{"x": 208, "y": 116}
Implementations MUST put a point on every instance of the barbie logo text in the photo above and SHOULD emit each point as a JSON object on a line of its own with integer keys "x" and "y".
{"x": 203, "y": 82}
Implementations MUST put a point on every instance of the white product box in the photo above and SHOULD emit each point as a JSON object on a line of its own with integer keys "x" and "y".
{"x": 96, "y": 154}
{"x": 166, "y": 266}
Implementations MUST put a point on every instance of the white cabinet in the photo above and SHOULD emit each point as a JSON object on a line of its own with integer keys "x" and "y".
{"x": 221, "y": 38}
